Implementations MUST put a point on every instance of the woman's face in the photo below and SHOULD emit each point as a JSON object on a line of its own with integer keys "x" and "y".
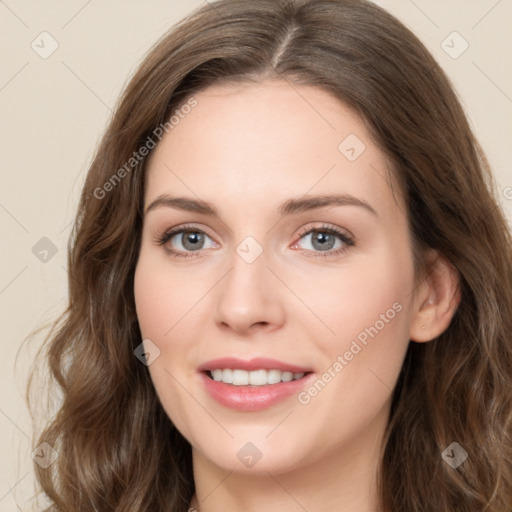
{"x": 289, "y": 254}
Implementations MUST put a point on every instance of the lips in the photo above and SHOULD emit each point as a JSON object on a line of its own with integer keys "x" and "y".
{"x": 259, "y": 363}
{"x": 250, "y": 397}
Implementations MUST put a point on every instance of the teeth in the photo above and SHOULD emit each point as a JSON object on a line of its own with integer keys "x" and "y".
{"x": 253, "y": 378}
{"x": 257, "y": 378}
{"x": 273, "y": 376}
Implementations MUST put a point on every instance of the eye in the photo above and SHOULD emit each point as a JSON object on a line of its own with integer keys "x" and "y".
{"x": 185, "y": 240}
{"x": 325, "y": 239}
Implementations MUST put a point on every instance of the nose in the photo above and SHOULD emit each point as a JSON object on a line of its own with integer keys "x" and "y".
{"x": 249, "y": 298}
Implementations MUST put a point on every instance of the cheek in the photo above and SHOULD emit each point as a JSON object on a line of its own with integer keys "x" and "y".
{"x": 161, "y": 297}
{"x": 358, "y": 299}
{"x": 160, "y": 303}
{"x": 150, "y": 302}
{"x": 170, "y": 311}
{"x": 365, "y": 311}
{"x": 372, "y": 330}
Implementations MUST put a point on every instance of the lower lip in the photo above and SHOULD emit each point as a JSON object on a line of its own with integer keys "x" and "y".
{"x": 253, "y": 398}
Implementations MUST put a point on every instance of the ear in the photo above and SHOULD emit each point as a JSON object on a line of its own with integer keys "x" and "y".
{"x": 436, "y": 299}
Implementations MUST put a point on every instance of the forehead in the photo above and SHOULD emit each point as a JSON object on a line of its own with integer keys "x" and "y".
{"x": 268, "y": 140}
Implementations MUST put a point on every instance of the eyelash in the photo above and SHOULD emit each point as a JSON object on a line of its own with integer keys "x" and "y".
{"x": 346, "y": 239}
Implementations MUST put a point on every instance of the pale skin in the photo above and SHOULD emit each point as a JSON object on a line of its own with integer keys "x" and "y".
{"x": 246, "y": 150}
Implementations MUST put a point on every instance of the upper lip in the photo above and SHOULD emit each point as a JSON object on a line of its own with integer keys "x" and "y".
{"x": 258, "y": 363}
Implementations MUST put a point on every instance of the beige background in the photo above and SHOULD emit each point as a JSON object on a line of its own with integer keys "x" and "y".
{"x": 54, "y": 110}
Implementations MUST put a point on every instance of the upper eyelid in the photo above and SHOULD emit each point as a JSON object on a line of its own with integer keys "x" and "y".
{"x": 186, "y": 227}
{"x": 326, "y": 227}
{"x": 302, "y": 231}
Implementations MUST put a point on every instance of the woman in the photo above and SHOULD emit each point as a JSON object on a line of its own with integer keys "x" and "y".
{"x": 290, "y": 280}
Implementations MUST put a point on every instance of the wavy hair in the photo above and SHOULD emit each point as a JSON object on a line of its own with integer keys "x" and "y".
{"x": 118, "y": 450}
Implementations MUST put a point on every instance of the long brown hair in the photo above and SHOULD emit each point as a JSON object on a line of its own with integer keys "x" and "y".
{"x": 118, "y": 450}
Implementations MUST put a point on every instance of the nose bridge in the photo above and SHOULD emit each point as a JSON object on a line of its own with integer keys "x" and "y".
{"x": 247, "y": 295}
{"x": 248, "y": 270}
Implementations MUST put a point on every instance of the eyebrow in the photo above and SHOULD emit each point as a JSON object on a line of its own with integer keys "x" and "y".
{"x": 289, "y": 207}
